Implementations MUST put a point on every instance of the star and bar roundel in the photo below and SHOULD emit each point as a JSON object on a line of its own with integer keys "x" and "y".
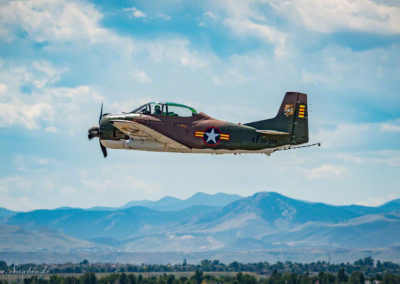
{"x": 212, "y": 136}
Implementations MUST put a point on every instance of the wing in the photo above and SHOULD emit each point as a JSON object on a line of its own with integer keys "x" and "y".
{"x": 132, "y": 128}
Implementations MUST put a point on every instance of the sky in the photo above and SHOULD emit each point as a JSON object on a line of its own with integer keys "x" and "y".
{"x": 233, "y": 60}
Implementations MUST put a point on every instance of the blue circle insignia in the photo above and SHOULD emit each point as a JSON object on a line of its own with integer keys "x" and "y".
{"x": 212, "y": 136}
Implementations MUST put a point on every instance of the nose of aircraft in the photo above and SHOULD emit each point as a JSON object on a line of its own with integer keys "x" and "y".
{"x": 93, "y": 132}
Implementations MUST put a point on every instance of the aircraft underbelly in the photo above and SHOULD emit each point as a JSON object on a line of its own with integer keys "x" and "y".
{"x": 154, "y": 146}
{"x": 134, "y": 144}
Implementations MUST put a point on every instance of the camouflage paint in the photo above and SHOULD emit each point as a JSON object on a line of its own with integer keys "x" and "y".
{"x": 291, "y": 123}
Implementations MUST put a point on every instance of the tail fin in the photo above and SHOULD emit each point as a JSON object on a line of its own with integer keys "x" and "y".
{"x": 292, "y": 118}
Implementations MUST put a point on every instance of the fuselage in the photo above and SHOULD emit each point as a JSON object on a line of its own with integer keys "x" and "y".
{"x": 199, "y": 133}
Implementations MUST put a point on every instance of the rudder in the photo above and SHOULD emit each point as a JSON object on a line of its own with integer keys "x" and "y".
{"x": 300, "y": 125}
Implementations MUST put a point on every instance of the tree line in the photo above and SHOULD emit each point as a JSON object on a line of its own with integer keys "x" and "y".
{"x": 368, "y": 266}
{"x": 199, "y": 277}
{"x": 288, "y": 272}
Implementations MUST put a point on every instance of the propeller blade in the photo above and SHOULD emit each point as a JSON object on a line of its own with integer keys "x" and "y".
{"x": 103, "y": 149}
{"x": 101, "y": 112}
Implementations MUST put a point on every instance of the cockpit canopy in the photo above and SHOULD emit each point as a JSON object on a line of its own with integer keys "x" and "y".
{"x": 170, "y": 109}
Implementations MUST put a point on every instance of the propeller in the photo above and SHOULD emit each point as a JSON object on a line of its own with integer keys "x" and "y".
{"x": 101, "y": 112}
{"x": 103, "y": 149}
{"x": 95, "y": 132}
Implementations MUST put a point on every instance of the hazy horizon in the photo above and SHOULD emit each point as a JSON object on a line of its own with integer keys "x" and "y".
{"x": 184, "y": 199}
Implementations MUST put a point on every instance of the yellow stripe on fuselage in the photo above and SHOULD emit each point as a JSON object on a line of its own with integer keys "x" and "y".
{"x": 225, "y": 136}
{"x": 199, "y": 133}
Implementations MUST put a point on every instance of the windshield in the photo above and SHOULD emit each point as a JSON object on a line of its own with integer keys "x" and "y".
{"x": 145, "y": 109}
{"x": 170, "y": 109}
{"x": 174, "y": 109}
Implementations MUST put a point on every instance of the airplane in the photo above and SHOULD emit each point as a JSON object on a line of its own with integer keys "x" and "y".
{"x": 172, "y": 127}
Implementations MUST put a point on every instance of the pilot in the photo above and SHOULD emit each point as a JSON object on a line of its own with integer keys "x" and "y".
{"x": 157, "y": 109}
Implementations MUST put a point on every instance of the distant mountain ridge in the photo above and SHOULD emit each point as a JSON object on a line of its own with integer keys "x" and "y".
{"x": 263, "y": 220}
{"x": 170, "y": 203}
{"x": 5, "y": 212}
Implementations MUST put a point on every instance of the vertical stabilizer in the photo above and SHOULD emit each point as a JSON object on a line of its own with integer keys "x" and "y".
{"x": 292, "y": 118}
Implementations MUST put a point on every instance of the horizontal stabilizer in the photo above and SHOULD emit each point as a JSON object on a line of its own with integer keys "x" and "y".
{"x": 272, "y": 132}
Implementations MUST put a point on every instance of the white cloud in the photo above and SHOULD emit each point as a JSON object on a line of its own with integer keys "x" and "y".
{"x": 327, "y": 171}
{"x": 318, "y": 78}
{"x": 377, "y": 201}
{"x": 50, "y": 20}
{"x": 163, "y": 16}
{"x": 36, "y": 74}
{"x": 261, "y": 31}
{"x": 29, "y": 116}
{"x": 141, "y": 76}
{"x": 33, "y": 163}
{"x": 49, "y": 73}
{"x": 328, "y": 16}
{"x": 16, "y": 181}
{"x": 173, "y": 50}
{"x": 3, "y": 88}
{"x": 38, "y": 108}
{"x": 127, "y": 105}
{"x": 244, "y": 19}
{"x": 388, "y": 158}
{"x": 134, "y": 12}
{"x": 56, "y": 22}
{"x": 236, "y": 76}
{"x": 32, "y": 189}
{"x": 15, "y": 192}
{"x": 358, "y": 137}
{"x": 118, "y": 181}
{"x": 17, "y": 203}
{"x": 68, "y": 190}
{"x": 390, "y": 127}
{"x": 51, "y": 129}
{"x": 128, "y": 183}
{"x": 210, "y": 15}
{"x": 191, "y": 61}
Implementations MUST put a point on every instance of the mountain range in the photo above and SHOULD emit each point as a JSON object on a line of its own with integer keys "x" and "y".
{"x": 169, "y": 203}
{"x": 203, "y": 223}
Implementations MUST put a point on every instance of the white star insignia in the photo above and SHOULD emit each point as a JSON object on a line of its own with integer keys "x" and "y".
{"x": 212, "y": 136}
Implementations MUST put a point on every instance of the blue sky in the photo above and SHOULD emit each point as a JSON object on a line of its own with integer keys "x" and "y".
{"x": 233, "y": 60}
